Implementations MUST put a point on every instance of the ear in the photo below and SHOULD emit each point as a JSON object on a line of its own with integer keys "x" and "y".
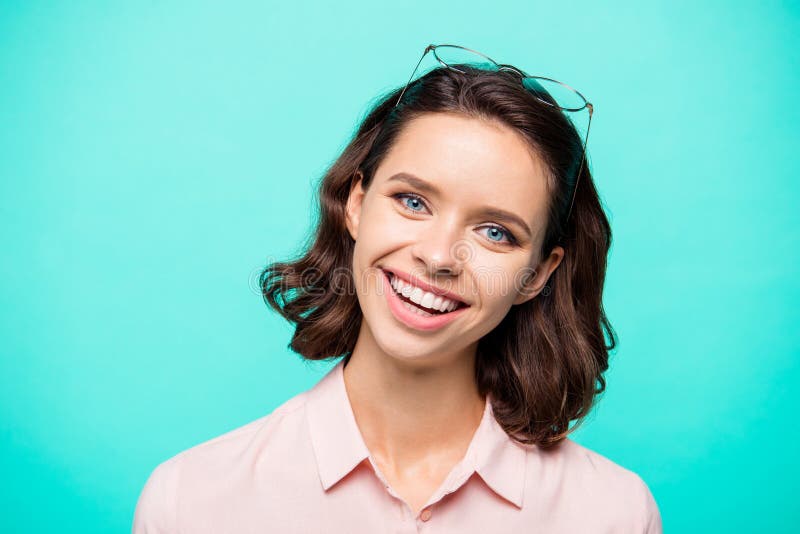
{"x": 535, "y": 284}
{"x": 353, "y": 207}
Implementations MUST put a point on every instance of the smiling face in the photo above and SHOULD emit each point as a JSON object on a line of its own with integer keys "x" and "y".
{"x": 460, "y": 204}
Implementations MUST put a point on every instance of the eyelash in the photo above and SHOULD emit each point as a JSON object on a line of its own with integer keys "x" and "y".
{"x": 512, "y": 241}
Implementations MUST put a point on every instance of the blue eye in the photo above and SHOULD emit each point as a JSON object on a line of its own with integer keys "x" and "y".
{"x": 413, "y": 199}
{"x": 501, "y": 232}
{"x": 497, "y": 230}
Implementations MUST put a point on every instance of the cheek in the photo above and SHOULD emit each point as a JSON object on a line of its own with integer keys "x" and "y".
{"x": 379, "y": 233}
{"x": 370, "y": 228}
{"x": 381, "y": 225}
{"x": 498, "y": 281}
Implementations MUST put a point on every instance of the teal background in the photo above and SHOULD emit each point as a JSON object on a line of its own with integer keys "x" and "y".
{"x": 155, "y": 155}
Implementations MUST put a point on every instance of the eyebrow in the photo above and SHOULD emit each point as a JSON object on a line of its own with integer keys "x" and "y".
{"x": 489, "y": 211}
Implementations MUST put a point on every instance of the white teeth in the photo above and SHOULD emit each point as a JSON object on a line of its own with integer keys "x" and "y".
{"x": 417, "y": 310}
{"x": 423, "y": 298}
{"x": 416, "y": 296}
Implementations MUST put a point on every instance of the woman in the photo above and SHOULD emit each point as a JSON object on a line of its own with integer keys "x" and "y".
{"x": 458, "y": 269}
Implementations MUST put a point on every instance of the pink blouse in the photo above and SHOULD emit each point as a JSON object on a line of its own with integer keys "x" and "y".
{"x": 304, "y": 468}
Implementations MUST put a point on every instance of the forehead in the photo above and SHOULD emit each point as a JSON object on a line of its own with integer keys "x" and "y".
{"x": 473, "y": 161}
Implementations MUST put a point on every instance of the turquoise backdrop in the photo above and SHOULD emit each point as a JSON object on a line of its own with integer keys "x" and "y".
{"x": 154, "y": 155}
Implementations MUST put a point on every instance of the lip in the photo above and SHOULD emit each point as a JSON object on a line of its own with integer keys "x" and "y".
{"x": 413, "y": 320}
{"x": 414, "y": 281}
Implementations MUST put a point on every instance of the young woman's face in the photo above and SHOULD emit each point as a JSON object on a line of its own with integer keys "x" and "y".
{"x": 432, "y": 215}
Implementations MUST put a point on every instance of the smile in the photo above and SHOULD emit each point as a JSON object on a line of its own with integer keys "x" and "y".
{"x": 417, "y": 308}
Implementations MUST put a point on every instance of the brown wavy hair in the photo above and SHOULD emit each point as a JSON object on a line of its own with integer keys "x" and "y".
{"x": 544, "y": 363}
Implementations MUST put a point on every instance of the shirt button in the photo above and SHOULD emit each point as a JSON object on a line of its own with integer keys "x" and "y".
{"x": 426, "y": 514}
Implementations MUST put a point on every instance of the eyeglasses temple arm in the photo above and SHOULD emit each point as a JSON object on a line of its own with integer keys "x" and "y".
{"x": 583, "y": 158}
{"x": 427, "y": 49}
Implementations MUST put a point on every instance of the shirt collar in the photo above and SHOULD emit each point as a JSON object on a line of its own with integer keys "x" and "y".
{"x": 339, "y": 446}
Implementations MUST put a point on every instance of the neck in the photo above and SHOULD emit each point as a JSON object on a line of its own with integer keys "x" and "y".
{"x": 409, "y": 412}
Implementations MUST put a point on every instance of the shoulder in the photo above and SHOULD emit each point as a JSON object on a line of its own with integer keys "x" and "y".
{"x": 269, "y": 431}
{"x": 212, "y": 461}
{"x": 603, "y": 488}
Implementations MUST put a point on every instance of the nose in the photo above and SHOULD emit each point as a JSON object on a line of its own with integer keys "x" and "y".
{"x": 441, "y": 251}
